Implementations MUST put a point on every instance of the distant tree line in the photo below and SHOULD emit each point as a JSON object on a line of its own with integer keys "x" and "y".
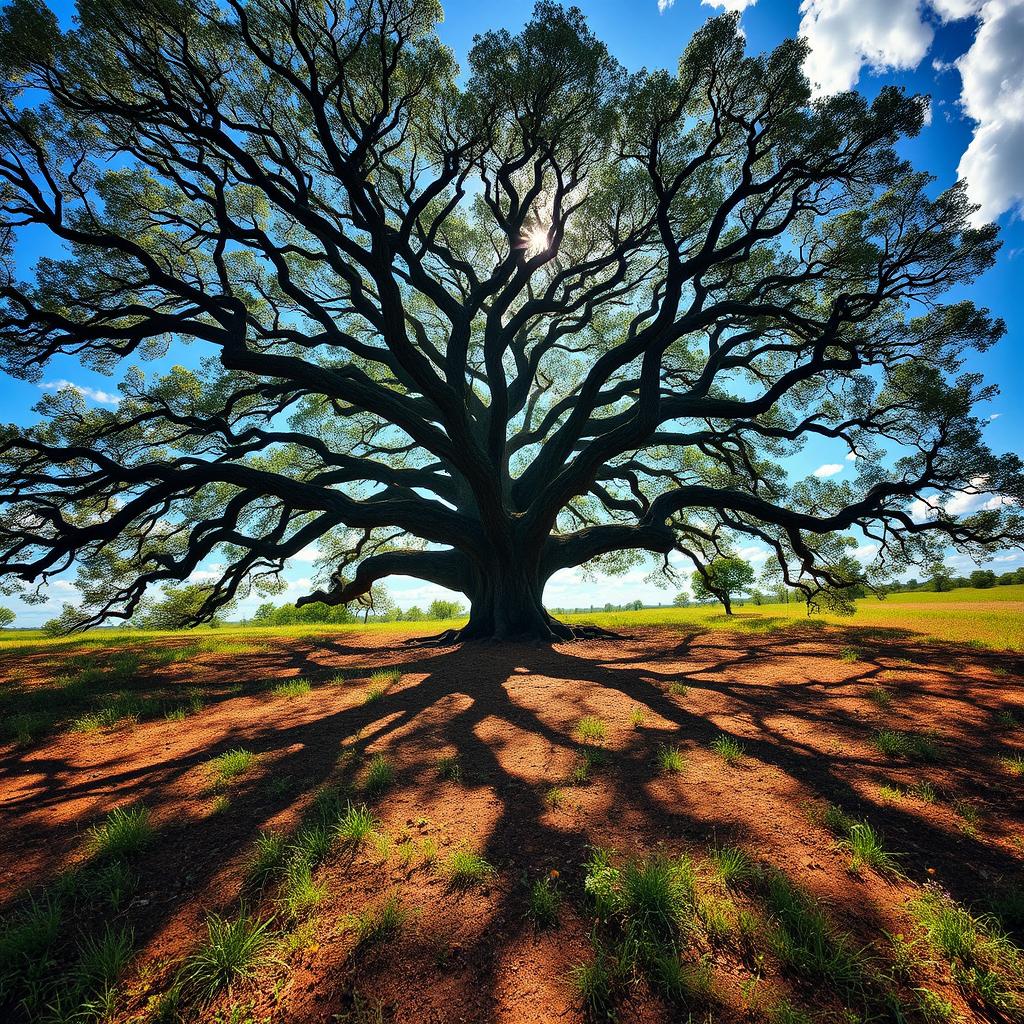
{"x": 941, "y": 579}
{"x": 380, "y": 608}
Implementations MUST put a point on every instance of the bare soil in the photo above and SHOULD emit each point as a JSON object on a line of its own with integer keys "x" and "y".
{"x": 800, "y": 707}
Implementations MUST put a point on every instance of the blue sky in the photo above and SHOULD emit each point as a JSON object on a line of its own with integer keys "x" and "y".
{"x": 967, "y": 55}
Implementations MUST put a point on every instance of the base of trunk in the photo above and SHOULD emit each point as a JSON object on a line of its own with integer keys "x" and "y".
{"x": 553, "y": 632}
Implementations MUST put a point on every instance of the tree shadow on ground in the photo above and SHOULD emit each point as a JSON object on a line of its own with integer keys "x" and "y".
{"x": 797, "y": 700}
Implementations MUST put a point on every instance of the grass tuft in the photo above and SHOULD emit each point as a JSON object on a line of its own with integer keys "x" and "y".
{"x": 232, "y": 764}
{"x": 544, "y": 903}
{"x": 466, "y": 868}
{"x": 732, "y": 866}
{"x": 377, "y": 926}
{"x": 591, "y": 729}
{"x": 101, "y": 960}
{"x": 910, "y": 745}
{"x": 594, "y": 983}
{"x": 125, "y": 831}
{"x": 356, "y": 825}
{"x": 730, "y": 750}
{"x": 380, "y": 773}
{"x": 292, "y": 688}
{"x": 266, "y": 859}
{"x": 233, "y": 950}
{"x": 670, "y": 759}
{"x": 804, "y": 940}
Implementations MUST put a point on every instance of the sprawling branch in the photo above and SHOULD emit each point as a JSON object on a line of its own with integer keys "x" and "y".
{"x": 474, "y": 334}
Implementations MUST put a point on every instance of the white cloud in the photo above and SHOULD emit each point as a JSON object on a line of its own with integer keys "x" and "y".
{"x": 896, "y": 35}
{"x": 753, "y": 554}
{"x": 866, "y": 552}
{"x": 725, "y": 5}
{"x": 829, "y": 469}
{"x": 310, "y": 553}
{"x": 992, "y": 95}
{"x": 844, "y": 35}
{"x": 851, "y": 456}
{"x": 975, "y": 497}
{"x": 664, "y": 5}
{"x": 994, "y": 416}
{"x": 101, "y": 397}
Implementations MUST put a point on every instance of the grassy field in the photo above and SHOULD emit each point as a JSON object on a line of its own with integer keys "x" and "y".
{"x": 991, "y": 618}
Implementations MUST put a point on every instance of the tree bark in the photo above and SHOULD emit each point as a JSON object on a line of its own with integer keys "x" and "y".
{"x": 506, "y": 603}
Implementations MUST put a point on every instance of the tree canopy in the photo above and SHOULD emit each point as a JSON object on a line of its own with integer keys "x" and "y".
{"x": 560, "y": 314}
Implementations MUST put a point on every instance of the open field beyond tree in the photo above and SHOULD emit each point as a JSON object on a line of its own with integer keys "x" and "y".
{"x": 769, "y": 818}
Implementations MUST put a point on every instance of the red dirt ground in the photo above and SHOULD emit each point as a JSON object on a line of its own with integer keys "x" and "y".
{"x": 509, "y": 714}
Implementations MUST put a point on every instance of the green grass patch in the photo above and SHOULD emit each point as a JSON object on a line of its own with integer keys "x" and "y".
{"x": 125, "y": 831}
{"x": 297, "y": 687}
{"x": 374, "y": 927}
{"x": 232, "y": 764}
{"x": 729, "y": 749}
{"x": 380, "y": 774}
{"x": 591, "y": 729}
{"x": 233, "y": 950}
{"x": 544, "y": 903}
{"x": 466, "y": 869}
{"x": 356, "y": 825}
{"x": 670, "y": 759}
{"x": 909, "y": 745}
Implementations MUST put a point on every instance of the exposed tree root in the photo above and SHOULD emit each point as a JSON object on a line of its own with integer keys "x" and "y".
{"x": 444, "y": 639}
{"x": 556, "y": 632}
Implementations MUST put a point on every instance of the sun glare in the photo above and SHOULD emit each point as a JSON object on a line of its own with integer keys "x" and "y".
{"x": 536, "y": 239}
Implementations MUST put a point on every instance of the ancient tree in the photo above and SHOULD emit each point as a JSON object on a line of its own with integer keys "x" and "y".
{"x": 472, "y": 333}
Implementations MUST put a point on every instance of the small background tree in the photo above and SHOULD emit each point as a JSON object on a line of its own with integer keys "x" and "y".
{"x": 721, "y": 579}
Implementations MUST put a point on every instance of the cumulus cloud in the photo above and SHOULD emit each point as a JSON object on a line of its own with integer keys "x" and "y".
{"x": 992, "y": 95}
{"x": 310, "y": 553}
{"x": 664, "y": 5}
{"x": 844, "y": 35}
{"x": 851, "y": 456}
{"x": 725, "y": 5}
{"x": 95, "y": 394}
{"x": 829, "y": 469}
{"x": 975, "y": 497}
{"x": 753, "y": 554}
{"x": 866, "y": 552}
